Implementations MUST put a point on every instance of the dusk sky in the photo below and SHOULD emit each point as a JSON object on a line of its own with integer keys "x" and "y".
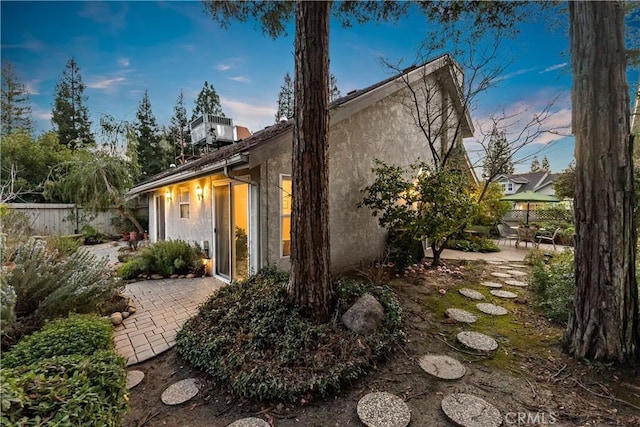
{"x": 125, "y": 48}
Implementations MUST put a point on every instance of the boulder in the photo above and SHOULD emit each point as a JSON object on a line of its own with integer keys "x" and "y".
{"x": 364, "y": 316}
{"x": 125, "y": 314}
{"x": 116, "y": 319}
{"x": 190, "y": 276}
{"x": 157, "y": 276}
{"x": 131, "y": 309}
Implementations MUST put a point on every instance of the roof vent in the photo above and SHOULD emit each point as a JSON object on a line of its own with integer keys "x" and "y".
{"x": 211, "y": 130}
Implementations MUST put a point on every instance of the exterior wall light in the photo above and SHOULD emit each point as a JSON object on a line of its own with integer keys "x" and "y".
{"x": 167, "y": 195}
{"x": 199, "y": 192}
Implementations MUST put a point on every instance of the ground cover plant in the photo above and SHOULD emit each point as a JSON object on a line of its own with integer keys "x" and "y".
{"x": 248, "y": 338}
{"x": 165, "y": 258}
{"x": 67, "y": 374}
{"x": 553, "y": 282}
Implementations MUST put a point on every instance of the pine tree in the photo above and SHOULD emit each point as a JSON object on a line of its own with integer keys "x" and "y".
{"x": 334, "y": 92}
{"x": 179, "y": 129}
{"x": 15, "y": 104}
{"x": 70, "y": 117}
{"x": 208, "y": 102}
{"x": 498, "y": 160}
{"x": 285, "y": 99}
{"x": 153, "y": 158}
{"x": 545, "y": 166}
{"x": 535, "y": 165}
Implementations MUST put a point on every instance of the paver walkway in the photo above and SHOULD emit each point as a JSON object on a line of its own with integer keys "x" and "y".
{"x": 163, "y": 306}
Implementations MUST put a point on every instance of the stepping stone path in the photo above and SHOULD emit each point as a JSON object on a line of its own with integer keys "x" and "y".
{"x": 494, "y": 310}
{"x": 134, "y": 378}
{"x": 460, "y": 315}
{"x": 491, "y": 284}
{"x": 517, "y": 283}
{"x": 467, "y": 410}
{"x": 382, "y": 409}
{"x": 518, "y": 266}
{"x": 495, "y": 262}
{"x": 477, "y": 341}
{"x": 442, "y": 367}
{"x": 503, "y": 294}
{"x": 502, "y": 275}
{"x": 180, "y": 392}
{"x": 250, "y": 422}
{"x": 505, "y": 267}
{"x": 470, "y": 293}
{"x": 517, "y": 273}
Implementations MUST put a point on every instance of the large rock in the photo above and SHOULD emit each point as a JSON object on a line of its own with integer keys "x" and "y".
{"x": 364, "y": 316}
{"x": 116, "y": 319}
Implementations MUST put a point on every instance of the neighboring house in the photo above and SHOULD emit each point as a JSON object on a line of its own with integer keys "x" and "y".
{"x": 236, "y": 201}
{"x": 539, "y": 182}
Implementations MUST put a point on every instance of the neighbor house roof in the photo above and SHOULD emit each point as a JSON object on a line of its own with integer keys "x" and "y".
{"x": 532, "y": 181}
{"x": 345, "y": 106}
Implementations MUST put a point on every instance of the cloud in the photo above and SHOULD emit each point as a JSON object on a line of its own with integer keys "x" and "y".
{"x": 103, "y": 15}
{"x": 106, "y": 84}
{"x": 253, "y": 116}
{"x": 228, "y": 64}
{"x": 515, "y": 73}
{"x": 241, "y": 79}
{"x": 223, "y": 67}
{"x": 31, "y": 88}
{"x": 554, "y": 67}
{"x": 27, "y": 45}
{"x": 123, "y": 62}
{"x": 40, "y": 114}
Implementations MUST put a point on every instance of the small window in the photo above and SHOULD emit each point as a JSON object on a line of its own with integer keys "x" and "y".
{"x": 184, "y": 203}
{"x": 285, "y": 215}
{"x": 510, "y": 187}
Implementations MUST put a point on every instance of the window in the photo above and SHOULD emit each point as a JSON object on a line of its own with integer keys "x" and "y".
{"x": 184, "y": 203}
{"x": 507, "y": 187}
{"x": 285, "y": 215}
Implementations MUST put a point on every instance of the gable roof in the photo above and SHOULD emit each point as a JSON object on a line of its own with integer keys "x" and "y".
{"x": 339, "y": 109}
{"x": 532, "y": 181}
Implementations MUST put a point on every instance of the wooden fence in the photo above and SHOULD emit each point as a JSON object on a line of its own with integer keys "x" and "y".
{"x": 55, "y": 219}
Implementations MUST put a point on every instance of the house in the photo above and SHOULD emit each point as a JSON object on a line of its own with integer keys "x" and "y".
{"x": 236, "y": 201}
{"x": 539, "y": 182}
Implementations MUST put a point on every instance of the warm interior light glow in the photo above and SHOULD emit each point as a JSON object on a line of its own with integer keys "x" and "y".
{"x": 199, "y": 192}
{"x": 167, "y": 195}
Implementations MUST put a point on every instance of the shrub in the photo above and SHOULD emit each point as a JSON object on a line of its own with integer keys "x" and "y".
{"x": 165, "y": 258}
{"x": 71, "y": 390}
{"x": 14, "y": 229}
{"x": 475, "y": 244}
{"x": 48, "y": 288}
{"x": 248, "y": 337}
{"x": 554, "y": 285}
{"x": 74, "y": 335}
{"x": 7, "y": 304}
{"x": 65, "y": 245}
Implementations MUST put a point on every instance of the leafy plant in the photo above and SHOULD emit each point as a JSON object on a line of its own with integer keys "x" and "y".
{"x": 475, "y": 244}
{"x": 74, "y": 335}
{"x": 64, "y": 245}
{"x": 165, "y": 258}
{"x": 15, "y": 228}
{"x": 248, "y": 337}
{"x": 554, "y": 285}
{"x": 7, "y": 304}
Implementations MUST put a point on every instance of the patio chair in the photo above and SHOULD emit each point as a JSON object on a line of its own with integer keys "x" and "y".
{"x": 548, "y": 239}
{"x": 507, "y": 234}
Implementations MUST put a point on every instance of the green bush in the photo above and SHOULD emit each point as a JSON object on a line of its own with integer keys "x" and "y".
{"x": 74, "y": 335}
{"x": 72, "y": 390}
{"x": 65, "y": 245}
{"x": 554, "y": 285}
{"x": 7, "y": 304}
{"x": 165, "y": 258}
{"x": 249, "y": 338}
{"x": 48, "y": 288}
{"x": 475, "y": 244}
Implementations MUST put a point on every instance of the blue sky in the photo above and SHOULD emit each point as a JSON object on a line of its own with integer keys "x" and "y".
{"x": 125, "y": 48}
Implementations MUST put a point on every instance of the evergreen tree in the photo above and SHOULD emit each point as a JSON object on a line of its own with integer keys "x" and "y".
{"x": 498, "y": 160}
{"x": 15, "y": 104}
{"x": 535, "y": 165}
{"x": 208, "y": 102}
{"x": 334, "y": 92}
{"x": 285, "y": 99}
{"x": 70, "y": 117}
{"x": 179, "y": 129}
{"x": 545, "y": 166}
{"x": 153, "y": 158}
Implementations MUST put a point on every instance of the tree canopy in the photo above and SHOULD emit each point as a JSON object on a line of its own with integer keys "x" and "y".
{"x": 14, "y": 103}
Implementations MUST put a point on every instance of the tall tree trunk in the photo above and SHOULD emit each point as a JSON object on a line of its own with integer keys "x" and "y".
{"x": 604, "y": 321}
{"x": 310, "y": 283}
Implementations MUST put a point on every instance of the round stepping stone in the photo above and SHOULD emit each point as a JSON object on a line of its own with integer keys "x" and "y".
{"x": 382, "y": 409}
{"x": 494, "y": 310}
{"x": 494, "y": 262}
{"x": 250, "y": 422}
{"x": 470, "y": 293}
{"x": 501, "y": 275}
{"x": 517, "y": 273}
{"x": 518, "y": 266}
{"x": 180, "y": 392}
{"x": 491, "y": 284}
{"x": 477, "y": 341}
{"x": 517, "y": 283}
{"x": 505, "y": 267}
{"x": 442, "y": 367}
{"x": 460, "y": 315}
{"x": 467, "y": 410}
{"x": 503, "y": 294}
{"x": 134, "y": 378}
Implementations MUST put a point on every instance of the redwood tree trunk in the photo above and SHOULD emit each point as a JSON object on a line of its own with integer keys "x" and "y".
{"x": 310, "y": 283}
{"x": 604, "y": 321}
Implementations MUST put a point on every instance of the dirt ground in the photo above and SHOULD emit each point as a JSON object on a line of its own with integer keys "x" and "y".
{"x": 528, "y": 378}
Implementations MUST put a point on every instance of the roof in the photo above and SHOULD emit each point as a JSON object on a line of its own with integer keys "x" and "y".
{"x": 532, "y": 181}
{"x": 220, "y": 157}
